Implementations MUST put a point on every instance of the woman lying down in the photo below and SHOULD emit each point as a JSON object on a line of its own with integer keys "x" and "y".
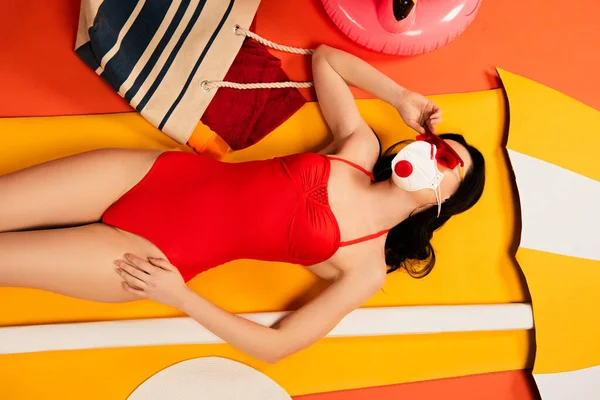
{"x": 141, "y": 223}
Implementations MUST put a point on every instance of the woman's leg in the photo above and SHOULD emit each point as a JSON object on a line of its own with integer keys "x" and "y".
{"x": 70, "y": 191}
{"x": 76, "y": 262}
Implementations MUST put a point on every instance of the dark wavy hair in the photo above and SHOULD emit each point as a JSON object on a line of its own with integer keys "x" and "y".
{"x": 408, "y": 244}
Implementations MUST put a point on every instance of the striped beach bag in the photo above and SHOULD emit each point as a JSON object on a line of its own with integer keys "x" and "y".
{"x": 157, "y": 53}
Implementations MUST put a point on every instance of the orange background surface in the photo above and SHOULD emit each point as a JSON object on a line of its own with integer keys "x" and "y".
{"x": 511, "y": 385}
{"x": 551, "y": 41}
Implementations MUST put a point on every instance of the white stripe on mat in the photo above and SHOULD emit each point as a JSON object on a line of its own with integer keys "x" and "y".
{"x": 171, "y": 331}
{"x": 559, "y": 208}
{"x": 581, "y": 384}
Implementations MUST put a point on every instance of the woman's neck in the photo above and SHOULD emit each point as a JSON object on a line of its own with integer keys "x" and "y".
{"x": 392, "y": 205}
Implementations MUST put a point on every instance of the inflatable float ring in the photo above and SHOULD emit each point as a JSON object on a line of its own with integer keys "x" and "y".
{"x": 402, "y": 27}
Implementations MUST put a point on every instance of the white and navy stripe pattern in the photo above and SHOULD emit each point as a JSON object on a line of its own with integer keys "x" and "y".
{"x": 155, "y": 53}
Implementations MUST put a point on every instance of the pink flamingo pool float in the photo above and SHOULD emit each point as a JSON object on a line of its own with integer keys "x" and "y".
{"x": 402, "y": 27}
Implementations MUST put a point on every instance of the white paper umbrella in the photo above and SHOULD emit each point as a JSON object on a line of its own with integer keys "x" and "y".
{"x": 209, "y": 378}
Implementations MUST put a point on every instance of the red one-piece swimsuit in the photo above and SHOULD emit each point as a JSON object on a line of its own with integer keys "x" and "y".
{"x": 202, "y": 213}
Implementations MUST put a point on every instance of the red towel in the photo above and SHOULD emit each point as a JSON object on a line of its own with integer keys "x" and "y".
{"x": 243, "y": 117}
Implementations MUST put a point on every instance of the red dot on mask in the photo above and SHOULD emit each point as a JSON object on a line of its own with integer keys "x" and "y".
{"x": 403, "y": 168}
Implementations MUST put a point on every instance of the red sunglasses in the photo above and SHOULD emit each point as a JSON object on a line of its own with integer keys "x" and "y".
{"x": 445, "y": 155}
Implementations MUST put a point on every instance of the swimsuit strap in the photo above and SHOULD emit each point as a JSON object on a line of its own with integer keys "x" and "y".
{"x": 364, "y": 238}
{"x": 358, "y": 167}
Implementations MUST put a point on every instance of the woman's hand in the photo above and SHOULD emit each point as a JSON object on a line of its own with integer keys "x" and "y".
{"x": 418, "y": 112}
{"x": 153, "y": 278}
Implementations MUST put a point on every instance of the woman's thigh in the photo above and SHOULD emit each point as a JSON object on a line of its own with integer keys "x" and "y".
{"x": 70, "y": 191}
{"x": 76, "y": 262}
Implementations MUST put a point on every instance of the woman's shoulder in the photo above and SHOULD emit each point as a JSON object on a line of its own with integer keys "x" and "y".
{"x": 368, "y": 254}
{"x": 362, "y": 147}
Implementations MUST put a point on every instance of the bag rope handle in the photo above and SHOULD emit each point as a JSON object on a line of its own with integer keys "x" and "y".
{"x": 207, "y": 85}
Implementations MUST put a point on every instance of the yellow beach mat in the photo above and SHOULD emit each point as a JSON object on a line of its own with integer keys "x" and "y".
{"x": 331, "y": 364}
{"x": 474, "y": 267}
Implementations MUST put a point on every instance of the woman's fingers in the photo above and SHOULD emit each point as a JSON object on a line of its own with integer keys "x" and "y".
{"x": 132, "y": 275}
{"x": 134, "y": 290}
{"x": 434, "y": 118}
{"x": 139, "y": 263}
{"x": 161, "y": 263}
{"x": 416, "y": 126}
{"x": 131, "y": 270}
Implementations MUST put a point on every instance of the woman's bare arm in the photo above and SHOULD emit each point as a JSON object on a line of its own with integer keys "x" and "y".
{"x": 162, "y": 282}
{"x": 334, "y": 70}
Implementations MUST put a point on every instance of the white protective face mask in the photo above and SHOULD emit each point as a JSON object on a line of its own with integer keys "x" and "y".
{"x": 415, "y": 168}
